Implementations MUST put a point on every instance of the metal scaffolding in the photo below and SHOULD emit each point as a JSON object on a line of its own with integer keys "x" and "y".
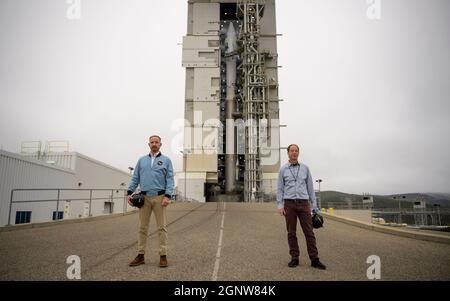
{"x": 254, "y": 93}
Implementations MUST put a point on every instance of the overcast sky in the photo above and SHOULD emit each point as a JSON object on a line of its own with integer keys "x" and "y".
{"x": 368, "y": 101}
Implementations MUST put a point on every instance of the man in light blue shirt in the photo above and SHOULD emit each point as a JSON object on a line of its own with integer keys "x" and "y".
{"x": 295, "y": 197}
{"x": 154, "y": 175}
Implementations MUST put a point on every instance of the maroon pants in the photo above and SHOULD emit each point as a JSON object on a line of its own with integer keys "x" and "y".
{"x": 302, "y": 211}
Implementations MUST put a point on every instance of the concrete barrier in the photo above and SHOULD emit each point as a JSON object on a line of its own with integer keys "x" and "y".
{"x": 386, "y": 229}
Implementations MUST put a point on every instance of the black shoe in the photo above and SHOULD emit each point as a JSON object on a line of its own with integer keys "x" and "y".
{"x": 293, "y": 263}
{"x": 318, "y": 265}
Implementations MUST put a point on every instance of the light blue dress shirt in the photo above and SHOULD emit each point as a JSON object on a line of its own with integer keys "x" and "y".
{"x": 295, "y": 182}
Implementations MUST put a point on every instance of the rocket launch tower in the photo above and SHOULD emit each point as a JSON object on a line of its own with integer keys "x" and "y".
{"x": 232, "y": 131}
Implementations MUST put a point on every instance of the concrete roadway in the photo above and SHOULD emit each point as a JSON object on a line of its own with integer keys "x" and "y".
{"x": 253, "y": 247}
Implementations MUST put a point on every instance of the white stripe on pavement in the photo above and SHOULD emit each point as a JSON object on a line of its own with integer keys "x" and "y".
{"x": 219, "y": 247}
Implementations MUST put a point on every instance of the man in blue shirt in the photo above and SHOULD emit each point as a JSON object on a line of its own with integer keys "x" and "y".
{"x": 294, "y": 194}
{"x": 154, "y": 175}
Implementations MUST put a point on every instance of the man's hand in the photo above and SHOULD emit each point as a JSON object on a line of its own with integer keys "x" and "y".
{"x": 316, "y": 210}
{"x": 129, "y": 200}
{"x": 281, "y": 211}
{"x": 165, "y": 201}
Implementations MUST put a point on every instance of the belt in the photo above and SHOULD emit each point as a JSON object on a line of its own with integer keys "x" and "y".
{"x": 296, "y": 200}
{"x": 148, "y": 193}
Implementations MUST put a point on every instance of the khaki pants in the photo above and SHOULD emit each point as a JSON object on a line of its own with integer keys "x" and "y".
{"x": 152, "y": 203}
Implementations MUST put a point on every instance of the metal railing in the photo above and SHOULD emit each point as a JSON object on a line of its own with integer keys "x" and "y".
{"x": 414, "y": 216}
{"x": 345, "y": 206}
{"x": 59, "y": 197}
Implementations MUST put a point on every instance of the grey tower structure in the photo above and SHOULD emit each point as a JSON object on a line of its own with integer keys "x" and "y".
{"x": 232, "y": 131}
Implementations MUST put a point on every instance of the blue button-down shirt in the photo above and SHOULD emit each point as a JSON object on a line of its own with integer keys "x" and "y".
{"x": 153, "y": 175}
{"x": 295, "y": 182}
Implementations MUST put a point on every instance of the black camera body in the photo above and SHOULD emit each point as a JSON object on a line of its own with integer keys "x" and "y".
{"x": 138, "y": 200}
{"x": 317, "y": 221}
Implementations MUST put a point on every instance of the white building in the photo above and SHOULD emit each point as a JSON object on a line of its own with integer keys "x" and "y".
{"x": 83, "y": 186}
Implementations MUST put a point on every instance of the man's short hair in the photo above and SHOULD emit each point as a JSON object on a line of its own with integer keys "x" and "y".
{"x": 153, "y": 136}
{"x": 289, "y": 147}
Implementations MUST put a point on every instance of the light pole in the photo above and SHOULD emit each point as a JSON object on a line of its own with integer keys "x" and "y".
{"x": 439, "y": 214}
{"x": 320, "y": 197}
{"x": 399, "y": 208}
{"x": 184, "y": 169}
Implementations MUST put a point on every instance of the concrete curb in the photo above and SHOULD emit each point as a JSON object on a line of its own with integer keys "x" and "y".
{"x": 389, "y": 230}
{"x": 63, "y": 222}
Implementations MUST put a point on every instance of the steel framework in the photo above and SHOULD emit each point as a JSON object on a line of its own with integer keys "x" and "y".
{"x": 254, "y": 93}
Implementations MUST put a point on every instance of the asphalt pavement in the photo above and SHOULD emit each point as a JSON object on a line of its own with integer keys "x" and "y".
{"x": 215, "y": 241}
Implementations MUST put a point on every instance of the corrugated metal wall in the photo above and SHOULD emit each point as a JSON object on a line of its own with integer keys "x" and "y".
{"x": 17, "y": 172}
{"x": 63, "y": 159}
{"x": 24, "y": 172}
{"x": 94, "y": 174}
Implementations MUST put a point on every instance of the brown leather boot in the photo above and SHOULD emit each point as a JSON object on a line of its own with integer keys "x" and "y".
{"x": 138, "y": 260}
{"x": 163, "y": 261}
